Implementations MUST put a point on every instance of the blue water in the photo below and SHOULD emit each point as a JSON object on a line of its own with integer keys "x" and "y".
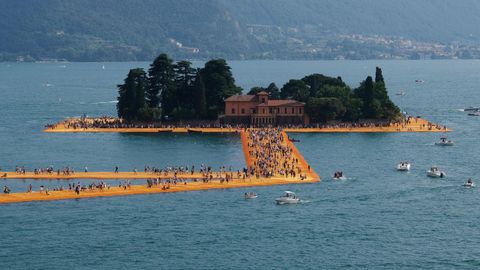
{"x": 378, "y": 218}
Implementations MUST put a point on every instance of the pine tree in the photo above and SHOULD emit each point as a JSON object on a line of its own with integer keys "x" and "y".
{"x": 131, "y": 98}
{"x": 273, "y": 91}
{"x": 161, "y": 77}
{"x": 378, "y": 75}
{"x": 200, "y": 97}
{"x": 219, "y": 85}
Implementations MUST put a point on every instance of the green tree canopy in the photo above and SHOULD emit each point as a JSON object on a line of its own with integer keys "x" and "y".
{"x": 132, "y": 94}
{"x": 295, "y": 89}
{"x": 325, "y": 109}
{"x": 219, "y": 85}
{"x": 161, "y": 77}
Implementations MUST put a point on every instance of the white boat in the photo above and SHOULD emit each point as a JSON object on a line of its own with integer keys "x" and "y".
{"x": 403, "y": 166}
{"x": 250, "y": 195}
{"x": 474, "y": 113}
{"x": 472, "y": 109}
{"x": 339, "y": 176}
{"x": 435, "y": 172}
{"x": 469, "y": 183}
{"x": 288, "y": 198}
{"x": 401, "y": 93}
{"x": 444, "y": 142}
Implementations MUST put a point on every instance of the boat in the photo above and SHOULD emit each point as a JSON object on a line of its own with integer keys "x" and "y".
{"x": 293, "y": 140}
{"x": 444, "y": 142}
{"x": 250, "y": 195}
{"x": 472, "y": 109}
{"x": 288, "y": 198}
{"x": 401, "y": 93}
{"x": 403, "y": 166}
{"x": 435, "y": 172}
{"x": 474, "y": 113}
{"x": 338, "y": 175}
{"x": 469, "y": 183}
{"x": 419, "y": 81}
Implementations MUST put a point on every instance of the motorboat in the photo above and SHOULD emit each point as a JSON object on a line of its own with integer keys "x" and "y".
{"x": 401, "y": 93}
{"x": 403, "y": 166}
{"x": 472, "y": 109}
{"x": 419, "y": 81}
{"x": 474, "y": 113}
{"x": 444, "y": 142}
{"x": 250, "y": 195}
{"x": 469, "y": 183}
{"x": 338, "y": 175}
{"x": 435, "y": 172}
{"x": 288, "y": 198}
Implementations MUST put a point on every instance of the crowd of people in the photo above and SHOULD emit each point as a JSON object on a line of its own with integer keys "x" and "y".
{"x": 115, "y": 123}
{"x": 170, "y": 175}
{"x": 112, "y": 122}
{"x": 271, "y": 155}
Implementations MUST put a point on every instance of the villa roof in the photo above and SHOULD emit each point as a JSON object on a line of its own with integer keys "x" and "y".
{"x": 241, "y": 98}
{"x": 262, "y": 93}
{"x": 281, "y": 102}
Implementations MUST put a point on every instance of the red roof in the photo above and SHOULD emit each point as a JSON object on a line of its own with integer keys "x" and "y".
{"x": 241, "y": 98}
{"x": 281, "y": 102}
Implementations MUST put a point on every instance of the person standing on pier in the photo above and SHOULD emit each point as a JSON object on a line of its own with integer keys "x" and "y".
{"x": 116, "y": 169}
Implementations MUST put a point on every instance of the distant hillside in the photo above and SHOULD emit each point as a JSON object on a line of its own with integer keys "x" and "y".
{"x": 117, "y": 30}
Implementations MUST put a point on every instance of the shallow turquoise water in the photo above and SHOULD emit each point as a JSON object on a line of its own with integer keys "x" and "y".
{"x": 378, "y": 218}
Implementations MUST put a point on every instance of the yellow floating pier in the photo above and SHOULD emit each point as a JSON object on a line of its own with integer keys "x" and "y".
{"x": 107, "y": 175}
{"x": 143, "y": 189}
{"x": 306, "y": 175}
{"x": 413, "y": 125}
{"x": 298, "y": 163}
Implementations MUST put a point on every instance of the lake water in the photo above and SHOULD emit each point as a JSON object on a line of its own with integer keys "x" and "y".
{"x": 378, "y": 218}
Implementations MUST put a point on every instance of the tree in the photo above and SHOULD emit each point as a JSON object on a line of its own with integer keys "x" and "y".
{"x": 200, "y": 104}
{"x": 219, "y": 85}
{"x": 184, "y": 79}
{"x": 378, "y": 75}
{"x": 318, "y": 81}
{"x": 295, "y": 89}
{"x": 255, "y": 90}
{"x": 273, "y": 91}
{"x": 161, "y": 77}
{"x": 324, "y": 109}
{"x": 132, "y": 94}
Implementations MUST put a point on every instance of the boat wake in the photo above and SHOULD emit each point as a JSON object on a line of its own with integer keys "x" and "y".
{"x": 105, "y": 102}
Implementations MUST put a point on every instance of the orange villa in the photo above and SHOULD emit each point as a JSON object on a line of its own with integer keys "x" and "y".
{"x": 259, "y": 110}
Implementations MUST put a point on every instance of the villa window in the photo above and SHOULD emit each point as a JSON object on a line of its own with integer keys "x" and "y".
{"x": 263, "y": 110}
{"x": 285, "y": 110}
{"x": 270, "y": 110}
{"x": 263, "y": 100}
{"x": 293, "y": 110}
{"x": 243, "y": 111}
{"x": 233, "y": 110}
{"x": 300, "y": 110}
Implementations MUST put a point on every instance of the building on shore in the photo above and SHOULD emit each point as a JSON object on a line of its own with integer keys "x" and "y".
{"x": 259, "y": 110}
